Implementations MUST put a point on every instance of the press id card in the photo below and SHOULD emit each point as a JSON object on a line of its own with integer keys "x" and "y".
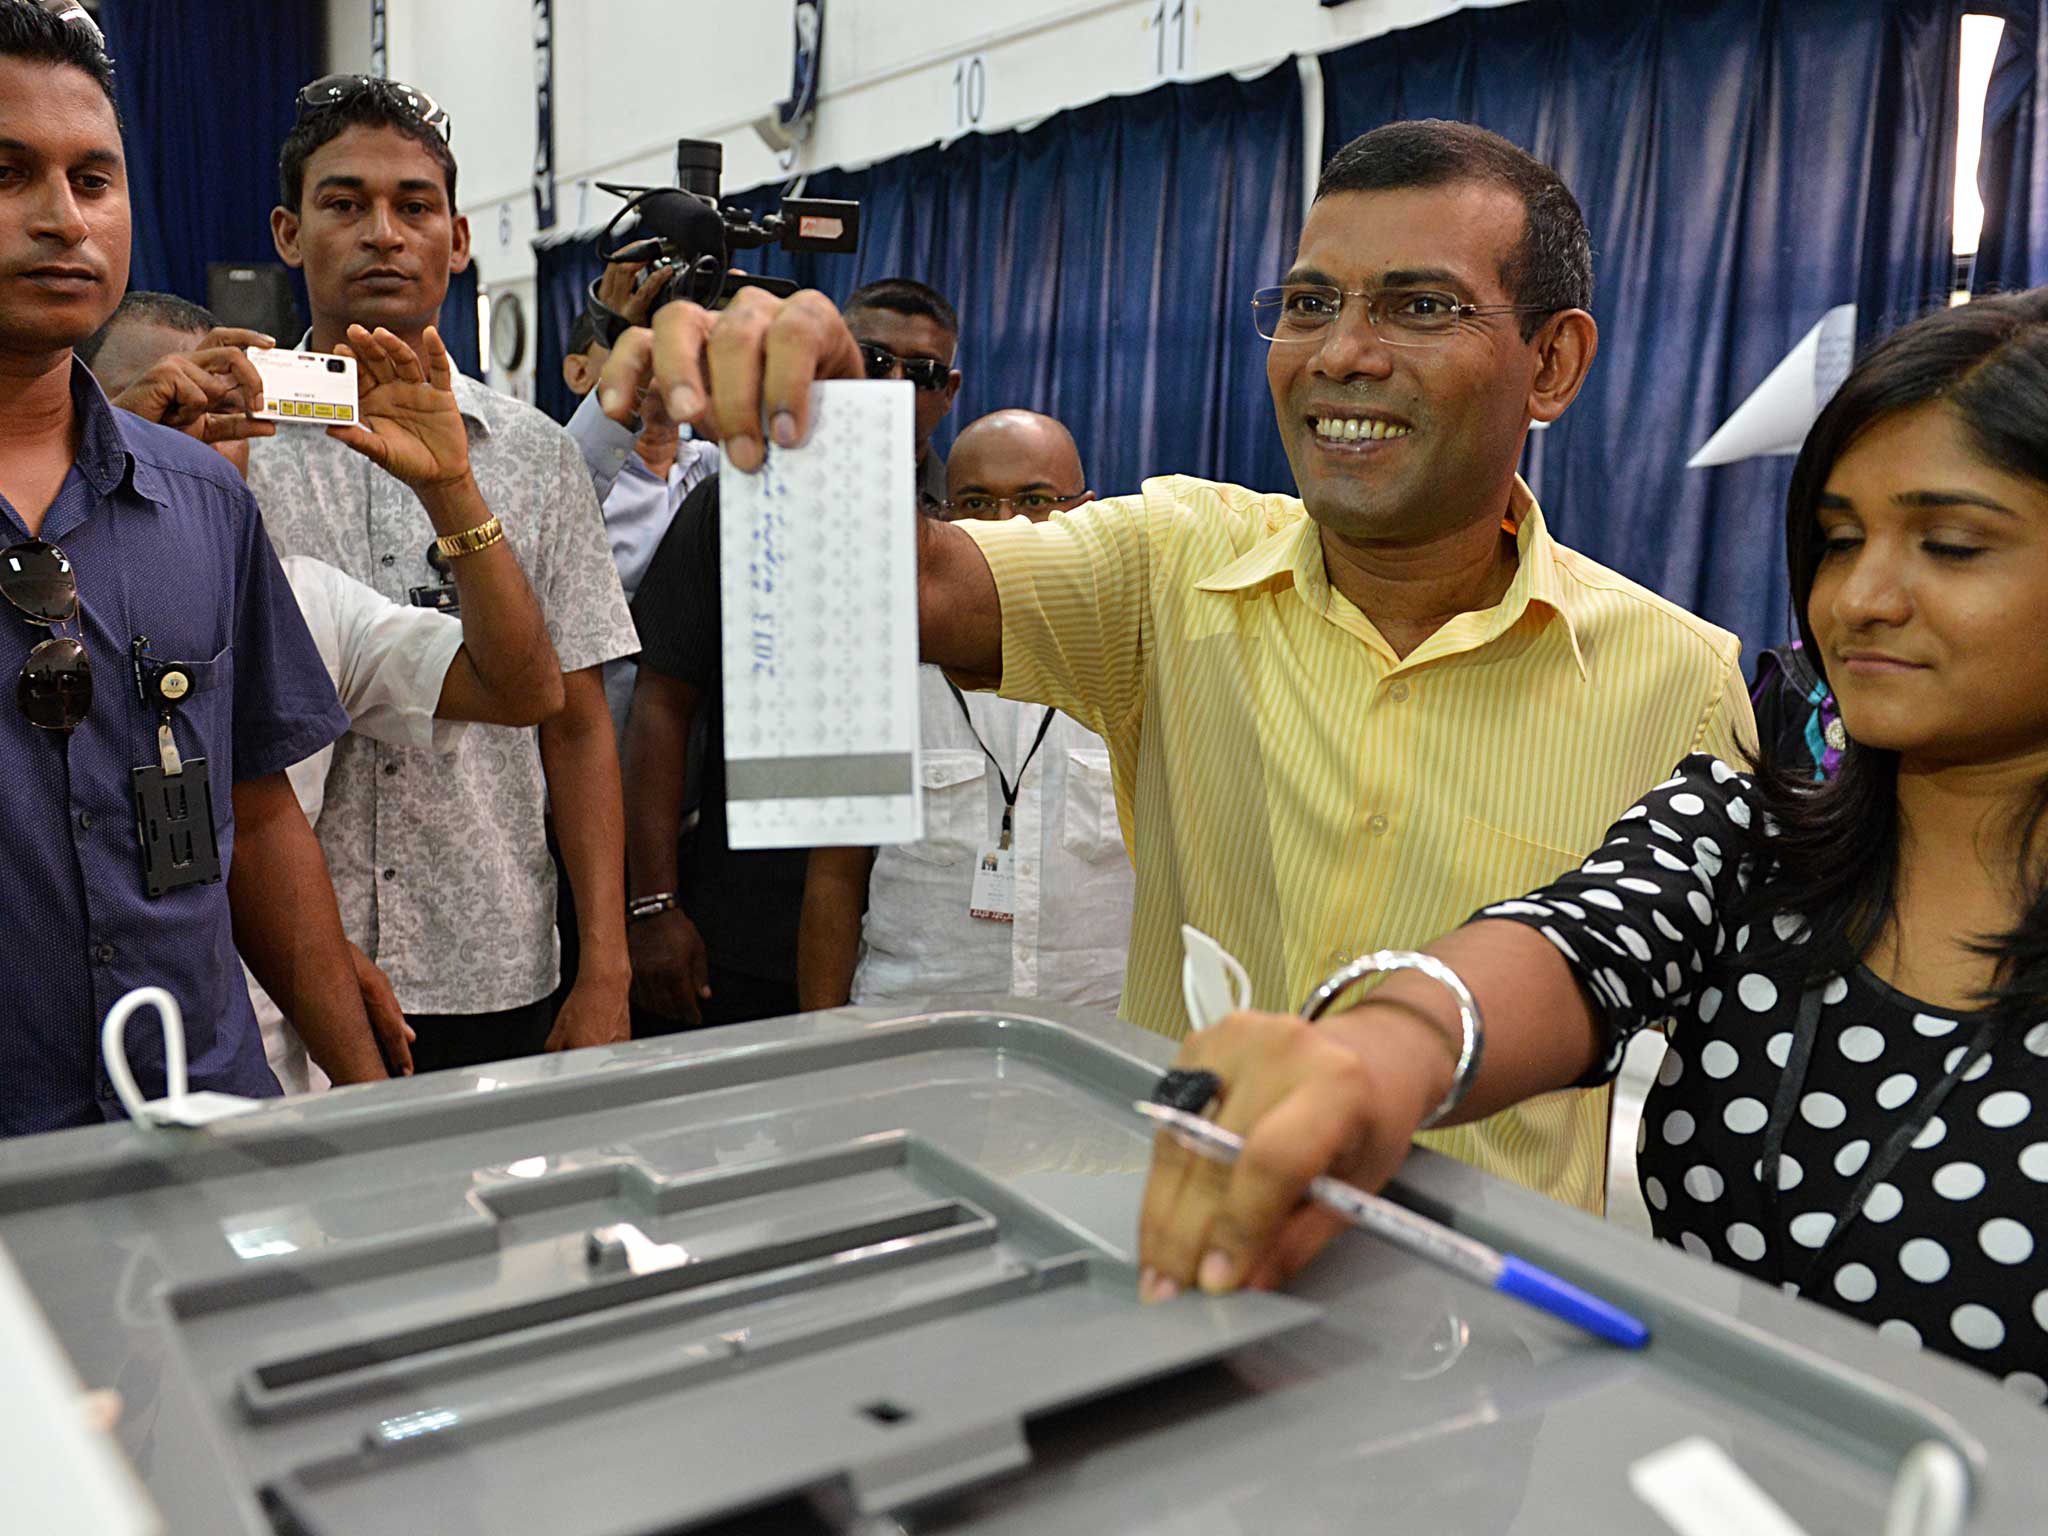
{"x": 994, "y": 897}
{"x": 315, "y": 388}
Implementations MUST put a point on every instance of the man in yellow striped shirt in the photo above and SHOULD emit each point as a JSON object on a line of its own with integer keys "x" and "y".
{"x": 1343, "y": 722}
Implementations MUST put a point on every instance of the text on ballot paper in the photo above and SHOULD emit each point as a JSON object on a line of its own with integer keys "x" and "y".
{"x": 818, "y": 584}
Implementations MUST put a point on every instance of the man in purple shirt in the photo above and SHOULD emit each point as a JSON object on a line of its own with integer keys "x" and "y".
{"x": 128, "y": 540}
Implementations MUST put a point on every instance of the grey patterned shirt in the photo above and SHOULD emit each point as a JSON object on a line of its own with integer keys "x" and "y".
{"x": 440, "y": 861}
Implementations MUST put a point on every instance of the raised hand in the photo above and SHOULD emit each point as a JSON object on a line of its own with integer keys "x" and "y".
{"x": 724, "y": 373}
{"x": 411, "y": 427}
{"x": 206, "y": 393}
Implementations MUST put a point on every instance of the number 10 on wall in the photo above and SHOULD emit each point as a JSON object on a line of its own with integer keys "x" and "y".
{"x": 970, "y": 93}
{"x": 1166, "y": 39}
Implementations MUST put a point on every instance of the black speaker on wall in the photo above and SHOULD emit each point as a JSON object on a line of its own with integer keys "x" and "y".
{"x": 256, "y": 295}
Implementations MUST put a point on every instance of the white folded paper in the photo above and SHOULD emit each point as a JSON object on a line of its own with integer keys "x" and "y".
{"x": 1776, "y": 418}
{"x": 818, "y": 581}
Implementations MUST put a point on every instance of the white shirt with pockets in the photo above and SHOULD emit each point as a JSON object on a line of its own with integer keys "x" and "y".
{"x": 1074, "y": 886}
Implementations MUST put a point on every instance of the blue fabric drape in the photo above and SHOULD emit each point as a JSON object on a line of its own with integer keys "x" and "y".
{"x": 1744, "y": 166}
{"x": 565, "y": 265}
{"x": 457, "y": 324}
{"x": 1102, "y": 264}
{"x": 2013, "y": 252}
{"x": 206, "y": 90}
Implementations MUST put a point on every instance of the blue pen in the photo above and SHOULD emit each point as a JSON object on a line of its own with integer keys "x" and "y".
{"x": 1424, "y": 1238}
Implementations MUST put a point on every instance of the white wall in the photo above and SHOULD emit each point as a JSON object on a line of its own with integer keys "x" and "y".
{"x": 632, "y": 76}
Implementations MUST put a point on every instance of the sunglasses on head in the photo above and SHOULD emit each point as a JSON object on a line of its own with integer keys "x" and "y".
{"x": 333, "y": 90}
{"x": 926, "y": 373}
{"x": 55, "y": 688}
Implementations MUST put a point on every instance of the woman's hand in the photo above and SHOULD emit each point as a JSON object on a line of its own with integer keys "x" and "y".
{"x": 1342, "y": 1097}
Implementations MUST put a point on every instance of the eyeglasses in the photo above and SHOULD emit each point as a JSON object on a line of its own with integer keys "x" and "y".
{"x": 1400, "y": 317}
{"x": 1031, "y": 504}
{"x": 55, "y": 689}
{"x": 926, "y": 373}
{"x": 333, "y": 90}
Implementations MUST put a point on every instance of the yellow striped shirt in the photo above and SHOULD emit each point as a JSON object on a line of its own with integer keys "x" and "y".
{"x": 1289, "y": 786}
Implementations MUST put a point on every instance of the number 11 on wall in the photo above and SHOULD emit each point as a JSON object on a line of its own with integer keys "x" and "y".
{"x": 1167, "y": 39}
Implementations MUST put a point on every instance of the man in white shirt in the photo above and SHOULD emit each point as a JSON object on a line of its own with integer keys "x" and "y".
{"x": 1022, "y": 885}
{"x": 408, "y": 676}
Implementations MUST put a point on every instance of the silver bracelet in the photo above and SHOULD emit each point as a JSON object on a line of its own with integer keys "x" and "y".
{"x": 1469, "y": 1021}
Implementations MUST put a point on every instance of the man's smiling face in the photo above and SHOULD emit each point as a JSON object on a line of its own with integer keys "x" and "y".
{"x": 1399, "y": 444}
{"x": 63, "y": 207}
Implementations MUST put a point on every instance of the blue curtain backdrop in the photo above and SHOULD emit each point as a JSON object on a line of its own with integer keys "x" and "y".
{"x": 1102, "y": 264}
{"x": 206, "y": 90}
{"x": 457, "y": 324}
{"x": 2013, "y": 253}
{"x": 565, "y": 265}
{"x": 1744, "y": 165}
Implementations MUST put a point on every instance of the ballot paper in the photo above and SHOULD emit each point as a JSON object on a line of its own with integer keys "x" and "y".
{"x": 1777, "y": 417}
{"x": 818, "y": 579}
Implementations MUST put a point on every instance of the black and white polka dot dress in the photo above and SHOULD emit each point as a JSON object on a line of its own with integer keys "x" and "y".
{"x": 1949, "y": 1250}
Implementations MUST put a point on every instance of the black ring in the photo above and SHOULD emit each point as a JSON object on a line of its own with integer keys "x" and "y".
{"x": 1189, "y": 1089}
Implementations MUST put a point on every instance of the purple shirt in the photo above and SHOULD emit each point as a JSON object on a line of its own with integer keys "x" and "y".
{"x": 166, "y": 542}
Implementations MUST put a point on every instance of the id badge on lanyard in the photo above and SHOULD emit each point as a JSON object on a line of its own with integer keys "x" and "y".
{"x": 993, "y": 898}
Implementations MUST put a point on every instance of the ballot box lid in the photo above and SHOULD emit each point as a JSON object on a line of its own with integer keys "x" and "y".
{"x": 855, "y": 1271}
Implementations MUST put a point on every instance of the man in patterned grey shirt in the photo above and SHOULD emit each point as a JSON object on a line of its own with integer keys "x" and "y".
{"x": 441, "y": 861}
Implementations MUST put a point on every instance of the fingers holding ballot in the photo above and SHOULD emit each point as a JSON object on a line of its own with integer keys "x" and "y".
{"x": 724, "y": 372}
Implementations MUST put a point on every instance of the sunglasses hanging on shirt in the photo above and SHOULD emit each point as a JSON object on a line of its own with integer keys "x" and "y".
{"x": 54, "y": 691}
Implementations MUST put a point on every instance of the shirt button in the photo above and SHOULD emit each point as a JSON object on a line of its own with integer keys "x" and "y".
{"x": 390, "y": 874}
{"x": 390, "y": 768}
{"x": 390, "y": 559}
{"x": 1377, "y": 825}
{"x": 1398, "y": 693}
{"x": 85, "y": 821}
{"x": 104, "y": 953}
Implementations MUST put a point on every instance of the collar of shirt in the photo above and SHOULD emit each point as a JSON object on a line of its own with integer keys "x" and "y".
{"x": 112, "y": 450}
{"x": 1294, "y": 556}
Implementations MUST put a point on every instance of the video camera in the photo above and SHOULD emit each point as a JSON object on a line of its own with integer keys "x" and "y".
{"x": 686, "y": 229}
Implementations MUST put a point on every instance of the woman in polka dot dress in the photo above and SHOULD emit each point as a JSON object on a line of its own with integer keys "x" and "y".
{"x": 1855, "y": 974}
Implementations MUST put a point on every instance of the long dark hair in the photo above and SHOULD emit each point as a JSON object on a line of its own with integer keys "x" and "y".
{"x": 1835, "y": 857}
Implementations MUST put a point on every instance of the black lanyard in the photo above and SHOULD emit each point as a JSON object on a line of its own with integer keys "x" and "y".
{"x": 1009, "y": 790}
{"x": 1805, "y": 1034}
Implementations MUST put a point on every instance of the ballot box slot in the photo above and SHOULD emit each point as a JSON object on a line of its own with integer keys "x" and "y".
{"x": 646, "y": 1316}
{"x": 607, "y": 1294}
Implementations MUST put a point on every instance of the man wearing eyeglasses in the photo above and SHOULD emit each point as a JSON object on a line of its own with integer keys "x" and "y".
{"x": 165, "y": 680}
{"x": 441, "y": 860}
{"x": 1339, "y": 723}
{"x": 1018, "y": 792}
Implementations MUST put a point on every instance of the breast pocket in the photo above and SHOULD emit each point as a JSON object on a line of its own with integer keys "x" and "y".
{"x": 1089, "y": 826}
{"x": 203, "y": 720}
{"x": 955, "y": 807}
{"x": 1498, "y": 865}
